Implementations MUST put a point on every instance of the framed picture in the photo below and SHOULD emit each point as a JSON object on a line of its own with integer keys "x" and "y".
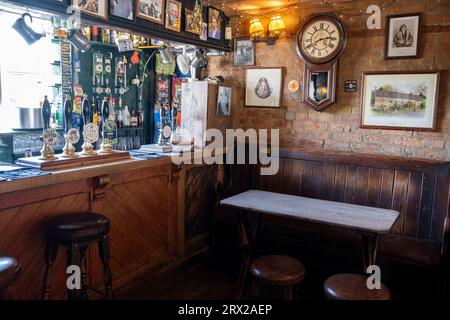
{"x": 403, "y": 36}
{"x": 263, "y": 87}
{"x": 152, "y": 10}
{"x": 122, "y": 9}
{"x": 224, "y": 101}
{"x": 188, "y": 22}
{"x": 244, "y": 52}
{"x": 96, "y": 8}
{"x": 173, "y": 15}
{"x": 401, "y": 100}
{"x": 214, "y": 24}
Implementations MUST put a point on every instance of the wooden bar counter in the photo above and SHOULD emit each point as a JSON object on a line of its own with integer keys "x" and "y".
{"x": 154, "y": 217}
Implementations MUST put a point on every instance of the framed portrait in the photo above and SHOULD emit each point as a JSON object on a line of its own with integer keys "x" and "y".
{"x": 244, "y": 52}
{"x": 263, "y": 87}
{"x": 188, "y": 22}
{"x": 96, "y": 8}
{"x": 123, "y": 9}
{"x": 403, "y": 36}
{"x": 214, "y": 24}
{"x": 400, "y": 100}
{"x": 224, "y": 102}
{"x": 173, "y": 15}
{"x": 152, "y": 10}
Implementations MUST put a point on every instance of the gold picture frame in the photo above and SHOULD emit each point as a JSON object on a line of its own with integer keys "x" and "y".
{"x": 173, "y": 15}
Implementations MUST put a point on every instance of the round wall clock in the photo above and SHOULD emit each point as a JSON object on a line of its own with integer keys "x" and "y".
{"x": 321, "y": 39}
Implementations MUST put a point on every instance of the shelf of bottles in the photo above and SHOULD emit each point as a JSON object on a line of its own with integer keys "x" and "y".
{"x": 103, "y": 75}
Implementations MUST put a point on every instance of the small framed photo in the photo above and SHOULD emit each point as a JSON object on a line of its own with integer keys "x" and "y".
{"x": 403, "y": 36}
{"x": 152, "y": 10}
{"x": 173, "y": 15}
{"x": 224, "y": 101}
{"x": 96, "y": 8}
{"x": 122, "y": 9}
{"x": 263, "y": 87}
{"x": 214, "y": 24}
{"x": 400, "y": 100}
{"x": 244, "y": 52}
{"x": 188, "y": 23}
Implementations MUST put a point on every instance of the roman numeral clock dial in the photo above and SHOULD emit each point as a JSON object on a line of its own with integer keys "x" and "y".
{"x": 321, "y": 39}
{"x": 320, "y": 42}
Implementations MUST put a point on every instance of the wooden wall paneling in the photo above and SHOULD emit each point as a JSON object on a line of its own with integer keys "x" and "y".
{"x": 307, "y": 178}
{"x": 350, "y": 184}
{"x": 412, "y": 211}
{"x": 399, "y": 199}
{"x": 362, "y": 183}
{"x": 339, "y": 183}
{"x": 286, "y": 184}
{"x": 22, "y": 237}
{"x": 277, "y": 180}
{"x": 317, "y": 191}
{"x": 440, "y": 205}
{"x": 387, "y": 185}
{"x": 426, "y": 206}
{"x": 139, "y": 211}
{"x": 374, "y": 187}
{"x": 199, "y": 196}
{"x": 328, "y": 182}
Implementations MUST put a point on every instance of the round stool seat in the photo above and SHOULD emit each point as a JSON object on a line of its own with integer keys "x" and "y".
{"x": 9, "y": 270}
{"x": 77, "y": 227}
{"x": 353, "y": 287}
{"x": 278, "y": 270}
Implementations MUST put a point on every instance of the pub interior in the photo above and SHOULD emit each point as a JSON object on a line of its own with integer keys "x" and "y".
{"x": 224, "y": 150}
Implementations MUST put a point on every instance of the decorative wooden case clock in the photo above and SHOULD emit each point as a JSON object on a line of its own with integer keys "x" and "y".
{"x": 320, "y": 42}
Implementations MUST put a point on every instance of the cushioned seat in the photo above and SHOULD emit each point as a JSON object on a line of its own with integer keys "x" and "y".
{"x": 9, "y": 271}
{"x": 77, "y": 227}
{"x": 353, "y": 287}
{"x": 278, "y": 270}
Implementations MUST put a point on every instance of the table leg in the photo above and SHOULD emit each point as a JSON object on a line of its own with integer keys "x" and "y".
{"x": 370, "y": 248}
{"x": 248, "y": 239}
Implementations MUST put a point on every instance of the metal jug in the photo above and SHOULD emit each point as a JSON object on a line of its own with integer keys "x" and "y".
{"x": 26, "y": 31}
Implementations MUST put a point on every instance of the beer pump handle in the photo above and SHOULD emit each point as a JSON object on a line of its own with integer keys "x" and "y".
{"x": 86, "y": 109}
{"x": 105, "y": 110}
{"x": 68, "y": 110}
{"x": 46, "y": 112}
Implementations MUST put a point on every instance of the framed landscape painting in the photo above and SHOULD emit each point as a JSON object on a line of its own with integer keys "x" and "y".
{"x": 401, "y": 100}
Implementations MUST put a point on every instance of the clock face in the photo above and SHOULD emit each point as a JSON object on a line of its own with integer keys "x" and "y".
{"x": 321, "y": 39}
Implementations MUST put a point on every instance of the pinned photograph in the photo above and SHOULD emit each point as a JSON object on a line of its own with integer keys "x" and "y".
{"x": 224, "y": 101}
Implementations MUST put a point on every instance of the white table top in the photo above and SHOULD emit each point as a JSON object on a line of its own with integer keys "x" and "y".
{"x": 361, "y": 218}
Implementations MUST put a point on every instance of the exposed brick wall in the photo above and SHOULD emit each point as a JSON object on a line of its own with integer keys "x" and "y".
{"x": 337, "y": 127}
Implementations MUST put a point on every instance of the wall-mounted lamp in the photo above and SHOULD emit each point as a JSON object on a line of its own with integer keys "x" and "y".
{"x": 276, "y": 29}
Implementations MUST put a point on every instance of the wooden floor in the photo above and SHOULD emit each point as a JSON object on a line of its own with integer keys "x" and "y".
{"x": 200, "y": 279}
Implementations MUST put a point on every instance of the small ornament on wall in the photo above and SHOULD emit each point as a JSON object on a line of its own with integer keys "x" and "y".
{"x": 350, "y": 86}
{"x": 293, "y": 86}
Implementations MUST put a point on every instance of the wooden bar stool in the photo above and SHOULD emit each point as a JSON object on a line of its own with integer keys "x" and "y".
{"x": 348, "y": 286}
{"x": 9, "y": 271}
{"x": 279, "y": 271}
{"x": 76, "y": 232}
